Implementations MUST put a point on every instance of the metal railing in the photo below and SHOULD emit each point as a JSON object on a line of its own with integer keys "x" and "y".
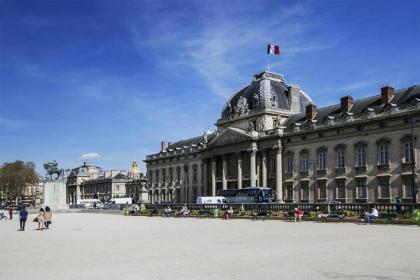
{"x": 288, "y": 207}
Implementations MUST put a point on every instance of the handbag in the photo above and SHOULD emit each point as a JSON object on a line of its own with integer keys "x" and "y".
{"x": 36, "y": 220}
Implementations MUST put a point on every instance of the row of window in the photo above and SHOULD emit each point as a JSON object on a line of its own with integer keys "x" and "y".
{"x": 361, "y": 155}
{"x": 154, "y": 176}
{"x": 340, "y": 189}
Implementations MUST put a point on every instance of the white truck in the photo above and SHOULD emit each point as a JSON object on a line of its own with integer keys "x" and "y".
{"x": 211, "y": 200}
{"x": 121, "y": 200}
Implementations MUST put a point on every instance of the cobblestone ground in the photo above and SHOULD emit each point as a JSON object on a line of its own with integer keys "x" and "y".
{"x": 95, "y": 246}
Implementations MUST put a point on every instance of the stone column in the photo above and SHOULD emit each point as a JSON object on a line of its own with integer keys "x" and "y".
{"x": 224, "y": 172}
{"x": 264, "y": 168}
{"x": 213, "y": 177}
{"x": 258, "y": 165}
{"x": 205, "y": 178}
{"x": 239, "y": 170}
{"x": 279, "y": 170}
{"x": 78, "y": 196}
{"x": 252, "y": 175}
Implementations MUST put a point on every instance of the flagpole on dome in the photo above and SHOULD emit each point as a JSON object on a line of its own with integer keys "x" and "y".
{"x": 268, "y": 57}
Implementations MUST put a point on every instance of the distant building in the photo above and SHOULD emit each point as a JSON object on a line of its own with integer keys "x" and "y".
{"x": 91, "y": 182}
{"x": 75, "y": 179}
{"x": 136, "y": 188}
{"x": 272, "y": 134}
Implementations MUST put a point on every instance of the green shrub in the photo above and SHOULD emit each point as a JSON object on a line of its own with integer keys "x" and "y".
{"x": 349, "y": 213}
{"x": 145, "y": 211}
{"x": 194, "y": 213}
{"x": 314, "y": 214}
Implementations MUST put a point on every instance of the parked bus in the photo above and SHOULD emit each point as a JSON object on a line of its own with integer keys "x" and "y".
{"x": 247, "y": 195}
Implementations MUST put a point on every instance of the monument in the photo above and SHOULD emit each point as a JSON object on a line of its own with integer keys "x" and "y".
{"x": 54, "y": 188}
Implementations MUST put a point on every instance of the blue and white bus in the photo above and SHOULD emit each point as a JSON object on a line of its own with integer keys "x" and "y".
{"x": 247, "y": 195}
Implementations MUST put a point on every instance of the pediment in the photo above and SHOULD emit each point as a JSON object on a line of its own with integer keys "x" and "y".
{"x": 230, "y": 136}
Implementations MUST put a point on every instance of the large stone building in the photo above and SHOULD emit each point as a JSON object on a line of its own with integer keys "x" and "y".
{"x": 272, "y": 134}
{"x": 88, "y": 181}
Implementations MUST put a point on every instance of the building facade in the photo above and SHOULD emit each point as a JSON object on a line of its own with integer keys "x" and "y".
{"x": 272, "y": 134}
{"x": 91, "y": 182}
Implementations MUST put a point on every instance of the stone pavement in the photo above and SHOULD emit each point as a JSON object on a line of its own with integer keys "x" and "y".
{"x": 92, "y": 246}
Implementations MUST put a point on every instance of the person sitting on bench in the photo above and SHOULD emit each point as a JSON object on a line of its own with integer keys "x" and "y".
{"x": 371, "y": 216}
{"x": 229, "y": 213}
{"x": 184, "y": 211}
{"x": 298, "y": 214}
{"x": 154, "y": 211}
{"x": 167, "y": 211}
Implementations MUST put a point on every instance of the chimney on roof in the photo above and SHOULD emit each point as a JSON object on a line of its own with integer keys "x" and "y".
{"x": 346, "y": 103}
{"x": 387, "y": 93}
{"x": 310, "y": 111}
{"x": 170, "y": 144}
{"x": 163, "y": 146}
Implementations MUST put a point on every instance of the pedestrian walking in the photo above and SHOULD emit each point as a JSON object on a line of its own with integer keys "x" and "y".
{"x": 23, "y": 216}
{"x": 10, "y": 212}
{"x": 48, "y": 217}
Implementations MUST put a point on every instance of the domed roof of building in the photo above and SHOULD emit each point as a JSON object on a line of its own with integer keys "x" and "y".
{"x": 134, "y": 169}
{"x": 267, "y": 90}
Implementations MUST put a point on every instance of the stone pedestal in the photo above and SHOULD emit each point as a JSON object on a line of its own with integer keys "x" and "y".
{"x": 143, "y": 196}
{"x": 55, "y": 194}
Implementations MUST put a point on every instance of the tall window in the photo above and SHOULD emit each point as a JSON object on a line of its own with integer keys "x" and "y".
{"x": 383, "y": 154}
{"x": 340, "y": 159}
{"x": 408, "y": 188}
{"x": 322, "y": 187}
{"x": 361, "y": 188}
{"x": 304, "y": 162}
{"x": 178, "y": 175}
{"x": 408, "y": 152}
{"x": 289, "y": 164}
{"x": 341, "y": 189}
{"x": 361, "y": 156}
{"x": 383, "y": 187}
{"x": 171, "y": 175}
{"x": 273, "y": 165}
{"x": 151, "y": 177}
{"x": 157, "y": 176}
{"x": 321, "y": 161}
{"x": 304, "y": 190}
{"x": 164, "y": 176}
{"x": 195, "y": 176}
{"x": 289, "y": 191}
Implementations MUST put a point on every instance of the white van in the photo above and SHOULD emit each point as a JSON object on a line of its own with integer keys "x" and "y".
{"x": 89, "y": 203}
{"x": 211, "y": 199}
{"x": 121, "y": 200}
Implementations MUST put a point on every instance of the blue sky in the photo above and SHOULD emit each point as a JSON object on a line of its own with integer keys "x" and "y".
{"x": 117, "y": 77}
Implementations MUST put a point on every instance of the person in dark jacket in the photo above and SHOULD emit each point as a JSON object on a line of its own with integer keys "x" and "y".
{"x": 23, "y": 216}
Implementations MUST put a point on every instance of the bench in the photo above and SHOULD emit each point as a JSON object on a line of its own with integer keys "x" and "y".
{"x": 205, "y": 213}
{"x": 260, "y": 214}
{"x": 332, "y": 217}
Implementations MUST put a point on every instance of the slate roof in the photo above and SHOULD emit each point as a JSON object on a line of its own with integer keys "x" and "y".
{"x": 265, "y": 85}
{"x": 188, "y": 142}
{"x": 401, "y": 97}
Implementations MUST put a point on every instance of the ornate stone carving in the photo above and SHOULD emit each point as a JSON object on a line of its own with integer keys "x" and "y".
{"x": 261, "y": 126}
{"x": 241, "y": 107}
{"x": 255, "y": 100}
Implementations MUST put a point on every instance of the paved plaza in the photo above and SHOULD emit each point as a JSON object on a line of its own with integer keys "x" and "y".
{"x": 103, "y": 246}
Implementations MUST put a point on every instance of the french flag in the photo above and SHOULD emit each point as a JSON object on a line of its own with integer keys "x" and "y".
{"x": 273, "y": 49}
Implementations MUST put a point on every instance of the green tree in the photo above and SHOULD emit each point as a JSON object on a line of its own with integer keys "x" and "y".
{"x": 16, "y": 176}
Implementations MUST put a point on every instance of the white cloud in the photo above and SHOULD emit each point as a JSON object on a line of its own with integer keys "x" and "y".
{"x": 90, "y": 156}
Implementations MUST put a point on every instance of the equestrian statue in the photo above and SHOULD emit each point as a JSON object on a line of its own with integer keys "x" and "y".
{"x": 52, "y": 168}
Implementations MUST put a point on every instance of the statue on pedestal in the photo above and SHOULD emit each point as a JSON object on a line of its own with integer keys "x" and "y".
{"x": 52, "y": 168}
